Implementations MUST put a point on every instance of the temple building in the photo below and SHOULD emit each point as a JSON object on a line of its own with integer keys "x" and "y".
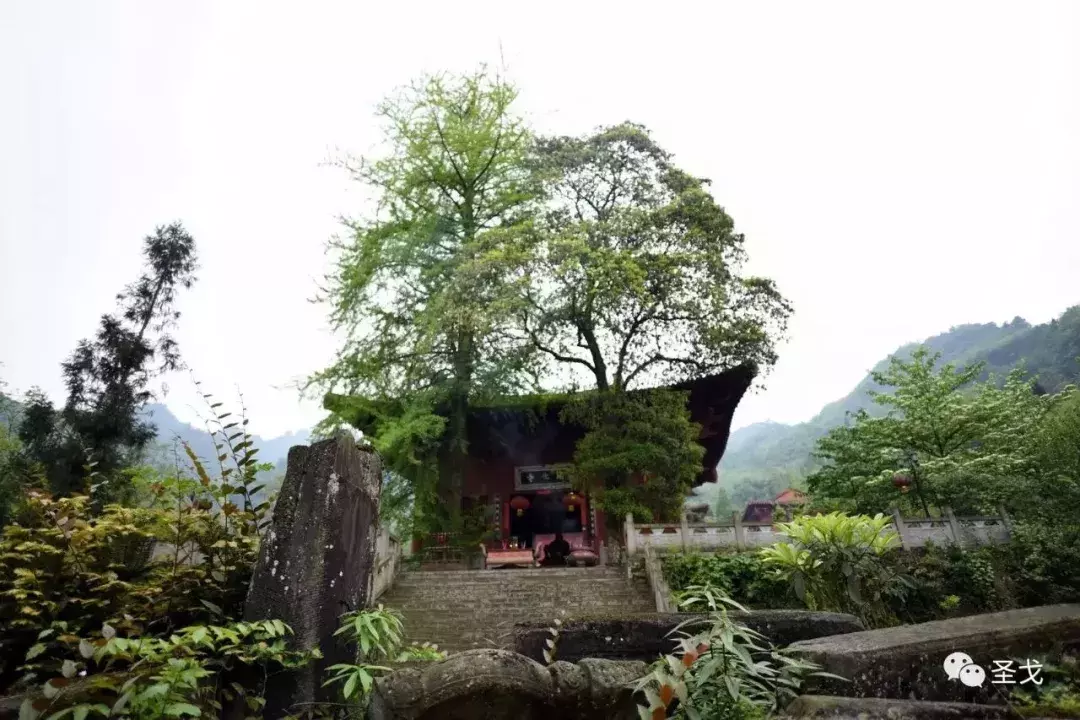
{"x": 514, "y": 446}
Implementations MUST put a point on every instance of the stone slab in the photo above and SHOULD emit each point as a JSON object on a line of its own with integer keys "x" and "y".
{"x": 492, "y": 684}
{"x": 907, "y": 661}
{"x": 647, "y": 637}
{"x": 813, "y": 707}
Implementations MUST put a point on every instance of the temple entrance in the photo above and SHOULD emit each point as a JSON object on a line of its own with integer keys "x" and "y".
{"x": 548, "y": 512}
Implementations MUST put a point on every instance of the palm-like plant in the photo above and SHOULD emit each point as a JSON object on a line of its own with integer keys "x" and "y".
{"x": 838, "y": 562}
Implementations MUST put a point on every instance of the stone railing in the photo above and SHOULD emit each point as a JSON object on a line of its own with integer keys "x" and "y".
{"x": 654, "y": 572}
{"x": 913, "y": 533}
{"x": 386, "y": 566}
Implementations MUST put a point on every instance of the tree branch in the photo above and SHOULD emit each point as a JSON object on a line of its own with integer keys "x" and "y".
{"x": 553, "y": 353}
{"x": 449, "y": 154}
{"x": 663, "y": 358}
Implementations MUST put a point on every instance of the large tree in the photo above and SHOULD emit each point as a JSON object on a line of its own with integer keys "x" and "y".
{"x": 419, "y": 288}
{"x": 963, "y": 444}
{"x": 633, "y": 277}
{"x": 634, "y": 271}
{"x": 108, "y": 377}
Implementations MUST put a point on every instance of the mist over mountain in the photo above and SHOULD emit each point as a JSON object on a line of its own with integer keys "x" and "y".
{"x": 173, "y": 432}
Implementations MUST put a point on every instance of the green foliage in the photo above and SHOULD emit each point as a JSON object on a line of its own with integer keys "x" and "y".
{"x": 494, "y": 263}
{"x": 633, "y": 271}
{"x": 378, "y": 635}
{"x": 742, "y": 576}
{"x": 1041, "y": 563}
{"x": 1058, "y": 457}
{"x": 183, "y": 675}
{"x": 424, "y": 652}
{"x": 418, "y": 288}
{"x": 183, "y": 558}
{"x": 16, "y": 474}
{"x": 716, "y": 497}
{"x": 969, "y": 447}
{"x": 1057, "y": 697}
{"x": 1048, "y": 351}
{"x": 722, "y": 670}
{"x": 645, "y": 434}
{"x": 108, "y": 378}
{"x": 840, "y": 563}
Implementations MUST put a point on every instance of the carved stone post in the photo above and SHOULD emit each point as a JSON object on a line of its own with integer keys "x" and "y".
{"x": 740, "y": 533}
{"x": 317, "y": 558}
{"x": 631, "y": 534}
{"x": 901, "y": 529}
{"x": 954, "y": 527}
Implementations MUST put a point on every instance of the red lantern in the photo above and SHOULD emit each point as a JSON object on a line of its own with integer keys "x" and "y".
{"x": 520, "y": 503}
{"x": 902, "y": 482}
{"x": 571, "y": 500}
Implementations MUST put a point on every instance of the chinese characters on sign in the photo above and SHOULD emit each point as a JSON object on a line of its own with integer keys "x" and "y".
{"x": 960, "y": 666}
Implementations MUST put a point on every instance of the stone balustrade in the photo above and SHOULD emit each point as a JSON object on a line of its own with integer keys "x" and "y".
{"x": 913, "y": 533}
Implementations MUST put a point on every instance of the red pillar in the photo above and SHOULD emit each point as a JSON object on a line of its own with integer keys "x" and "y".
{"x": 505, "y": 521}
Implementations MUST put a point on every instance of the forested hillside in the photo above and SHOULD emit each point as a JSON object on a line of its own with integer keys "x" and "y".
{"x": 763, "y": 458}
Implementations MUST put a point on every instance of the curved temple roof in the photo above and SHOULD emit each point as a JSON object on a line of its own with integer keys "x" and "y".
{"x": 524, "y": 427}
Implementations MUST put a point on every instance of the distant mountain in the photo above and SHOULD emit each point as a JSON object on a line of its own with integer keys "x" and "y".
{"x": 170, "y": 429}
{"x": 766, "y": 457}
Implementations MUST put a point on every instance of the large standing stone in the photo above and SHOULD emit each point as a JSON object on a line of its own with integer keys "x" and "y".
{"x": 646, "y": 638}
{"x": 907, "y": 661}
{"x": 317, "y": 557}
{"x": 502, "y": 685}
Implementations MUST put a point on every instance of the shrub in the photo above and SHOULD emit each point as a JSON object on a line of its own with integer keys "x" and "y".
{"x": 1041, "y": 563}
{"x": 840, "y": 563}
{"x": 1058, "y": 696}
{"x": 742, "y": 576}
{"x": 725, "y": 671}
{"x": 184, "y": 675}
{"x": 74, "y": 575}
{"x": 1039, "y": 566}
{"x": 378, "y": 635}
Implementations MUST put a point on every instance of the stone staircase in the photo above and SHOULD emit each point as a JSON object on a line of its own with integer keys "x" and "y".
{"x": 464, "y": 609}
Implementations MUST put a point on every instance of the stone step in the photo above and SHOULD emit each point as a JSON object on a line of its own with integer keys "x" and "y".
{"x": 467, "y": 609}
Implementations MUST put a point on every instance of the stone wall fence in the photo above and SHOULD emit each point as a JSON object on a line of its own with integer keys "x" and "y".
{"x": 648, "y": 543}
{"x": 741, "y": 535}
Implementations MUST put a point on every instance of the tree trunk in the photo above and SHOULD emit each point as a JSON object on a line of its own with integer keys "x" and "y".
{"x": 600, "y": 367}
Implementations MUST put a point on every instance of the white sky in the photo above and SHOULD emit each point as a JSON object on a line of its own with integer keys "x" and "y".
{"x": 898, "y": 168}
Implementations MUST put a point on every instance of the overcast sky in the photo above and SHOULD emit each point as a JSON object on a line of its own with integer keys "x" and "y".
{"x": 897, "y": 168}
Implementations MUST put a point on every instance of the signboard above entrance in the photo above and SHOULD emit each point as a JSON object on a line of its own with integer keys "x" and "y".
{"x": 537, "y": 477}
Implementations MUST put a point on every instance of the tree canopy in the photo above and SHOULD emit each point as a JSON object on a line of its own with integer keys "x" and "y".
{"x": 645, "y": 436}
{"x": 493, "y": 263}
{"x": 634, "y": 272}
{"x": 416, "y": 288}
{"x": 108, "y": 377}
{"x": 967, "y": 445}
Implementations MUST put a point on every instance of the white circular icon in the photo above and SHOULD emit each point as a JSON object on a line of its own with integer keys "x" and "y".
{"x": 972, "y": 675}
{"x": 955, "y": 663}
